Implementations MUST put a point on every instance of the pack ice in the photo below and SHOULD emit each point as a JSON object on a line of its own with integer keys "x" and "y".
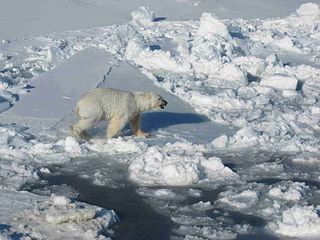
{"x": 260, "y": 78}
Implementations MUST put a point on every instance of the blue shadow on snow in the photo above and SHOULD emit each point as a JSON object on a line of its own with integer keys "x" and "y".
{"x": 152, "y": 121}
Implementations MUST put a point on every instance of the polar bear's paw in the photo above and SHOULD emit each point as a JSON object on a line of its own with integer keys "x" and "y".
{"x": 140, "y": 133}
{"x": 79, "y": 135}
{"x": 84, "y": 135}
{"x": 75, "y": 133}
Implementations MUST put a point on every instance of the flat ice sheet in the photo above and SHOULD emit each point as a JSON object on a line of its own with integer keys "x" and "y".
{"x": 20, "y": 18}
{"x": 55, "y": 93}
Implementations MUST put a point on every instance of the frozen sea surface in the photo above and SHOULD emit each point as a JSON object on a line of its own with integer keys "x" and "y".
{"x": 234, "y": 154}
{"x": 29, "y": 18}
{"x": 152, "y": 212}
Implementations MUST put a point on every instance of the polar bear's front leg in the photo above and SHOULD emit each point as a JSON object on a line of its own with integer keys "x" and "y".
{"x": 135, "y": 126}
{"x": 114, "y": 126}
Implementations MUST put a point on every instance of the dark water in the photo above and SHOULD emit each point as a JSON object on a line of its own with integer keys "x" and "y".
{"x": 137, "y": 219}
{"x": 144, "y": 216}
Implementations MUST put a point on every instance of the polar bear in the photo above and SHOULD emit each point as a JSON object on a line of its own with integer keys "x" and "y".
{"x": 118, "y": 107}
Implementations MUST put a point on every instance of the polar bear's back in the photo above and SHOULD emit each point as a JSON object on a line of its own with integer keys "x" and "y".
{"x": 105, "y": 103}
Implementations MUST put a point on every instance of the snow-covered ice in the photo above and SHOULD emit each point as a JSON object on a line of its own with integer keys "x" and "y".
{"x": 178, "y": 165}
{"x": 52, "y": 218}
{"x": 143, "y": 15}
{"x": 299, "y": 222}
{"x": 243, "y": 117}
{"x": 280, "y": 82}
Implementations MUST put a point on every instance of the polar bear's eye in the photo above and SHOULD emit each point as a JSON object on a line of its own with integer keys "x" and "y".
{"x": 159, "y": 98}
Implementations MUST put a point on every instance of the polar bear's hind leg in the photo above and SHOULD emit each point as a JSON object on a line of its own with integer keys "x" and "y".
{"x": 78, "y": 129}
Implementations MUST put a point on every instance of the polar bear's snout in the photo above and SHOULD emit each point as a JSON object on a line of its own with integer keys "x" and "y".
{"x": 163, "y": 103}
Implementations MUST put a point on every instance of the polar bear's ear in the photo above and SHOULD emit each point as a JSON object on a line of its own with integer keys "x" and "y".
{"x": 143, "y": 94}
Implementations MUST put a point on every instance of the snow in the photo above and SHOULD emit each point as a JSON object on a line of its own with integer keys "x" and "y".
{"x": 306, "y": 160}
{"x": 299, "y": 222}
{"x": 71, "y": 220}
{"x": 57, "y": 86}
{"x": 115, "y": 146}
{"x": 60, "y": 200}
{"x": 294, "y": 193}
{"x": 233, "y": 85}
{"x": 243, "y": 200}
{"x": 220, "y": 142}
{"x": 287, "y": 44}
{"x": 209, "y": 24}
{"x": 30, "y": 215}
{"x": 164, "y": 194}
{"x": 71, "y": 145}
{"x": 46, "y": 16}
{"x": 283, "y": 205}
{"x": 280, "y": 82}
{"x": 177, "y": 165}
{"x": 143, "y": 15}
{"x": 245, "y": 137}
{"x": 308, "y": 9}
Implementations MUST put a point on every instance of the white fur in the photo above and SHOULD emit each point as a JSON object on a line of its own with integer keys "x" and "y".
{"x": 116, "y": 106}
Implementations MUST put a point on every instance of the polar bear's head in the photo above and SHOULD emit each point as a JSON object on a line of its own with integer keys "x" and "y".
{"x": 150, "y": 101}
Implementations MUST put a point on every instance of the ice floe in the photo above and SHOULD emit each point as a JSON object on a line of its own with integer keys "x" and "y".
{"x": 177, "y": 165}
